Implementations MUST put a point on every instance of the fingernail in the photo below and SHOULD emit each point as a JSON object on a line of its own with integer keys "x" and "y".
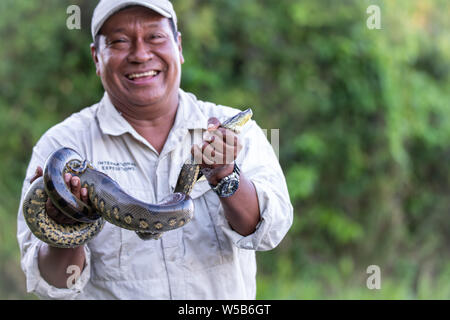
{"x": 84, "y": 192}
{"x": 75, "y": 183}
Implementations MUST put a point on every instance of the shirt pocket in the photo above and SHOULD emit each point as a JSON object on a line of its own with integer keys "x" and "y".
{"x": 104, "y": 258}
{"x": 115, "y": 250}
{"x": 204, "y": 241}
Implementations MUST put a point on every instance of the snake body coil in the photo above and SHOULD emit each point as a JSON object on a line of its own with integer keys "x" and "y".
{"x": 109, "y": 201}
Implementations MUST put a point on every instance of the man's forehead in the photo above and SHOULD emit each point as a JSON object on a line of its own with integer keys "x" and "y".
{"x": 147, "y": 25}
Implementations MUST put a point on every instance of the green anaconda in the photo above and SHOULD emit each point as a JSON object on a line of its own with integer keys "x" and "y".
{"x": 109, "y": 201}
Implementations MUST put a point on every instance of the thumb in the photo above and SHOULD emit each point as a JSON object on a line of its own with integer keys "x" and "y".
{"x": 213, "y": 124}
{"x": 38, "y": 173}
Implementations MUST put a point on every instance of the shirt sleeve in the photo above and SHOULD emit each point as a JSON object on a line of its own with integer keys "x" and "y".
{"x": 29, "y": 245}
{"x": 259, "y": 163}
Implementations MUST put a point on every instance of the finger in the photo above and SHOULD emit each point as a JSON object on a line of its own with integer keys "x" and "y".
{"x": 224, "y": 136}
{"x": 199, "y": 156}
{"x": 207, "y": 155}
{"x": 226, "y": 153}
{"x": 75, "y": 186}
{"x": 205, "y": 145}
{"x": 67, "y": 177}
{"x": 230, "y": 154}
{"x": 38, "y": 173}
{"x": 221, "y": 153}
{"x": 223, "y": 159}
{"x": 208, "y": 162}
{"x": 207, "y": 149}
{"x": 219, "y": 145}
{"x": 228, "y": 136}
{"x": 233, "y": 148}
{"x": 213, "y": 123}
{"x": 208, "y": 136}
{"x": 213, "y": 156}
{"x": 231, "y": 139}
{"x": 84, "y": 195}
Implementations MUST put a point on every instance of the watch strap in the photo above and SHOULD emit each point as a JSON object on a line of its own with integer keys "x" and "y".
{"x": 233, "y": 175}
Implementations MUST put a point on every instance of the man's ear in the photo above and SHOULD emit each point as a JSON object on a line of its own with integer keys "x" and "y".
{"x": 95, "y": 58}
{"x": 180, "y": 47}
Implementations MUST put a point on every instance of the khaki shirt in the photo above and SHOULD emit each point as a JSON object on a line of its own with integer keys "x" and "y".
{"x": 205, "y": 259}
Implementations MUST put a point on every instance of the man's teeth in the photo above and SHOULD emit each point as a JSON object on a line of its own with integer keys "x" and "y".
{"x": 145, "y": 74}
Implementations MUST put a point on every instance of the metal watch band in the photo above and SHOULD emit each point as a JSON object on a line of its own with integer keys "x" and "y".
{"x": 233, "y": 177}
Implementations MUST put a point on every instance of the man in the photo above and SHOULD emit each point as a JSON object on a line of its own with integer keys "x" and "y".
{"x": 137, "y": 134}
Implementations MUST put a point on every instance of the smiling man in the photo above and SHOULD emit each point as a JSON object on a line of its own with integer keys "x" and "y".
{"x": 137, "y": 134}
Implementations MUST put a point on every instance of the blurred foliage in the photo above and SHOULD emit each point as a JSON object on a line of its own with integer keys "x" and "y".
{"x": 363, "y": 118}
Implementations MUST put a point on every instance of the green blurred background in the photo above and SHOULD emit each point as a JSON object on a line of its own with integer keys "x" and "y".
{"x": 363, "y": 116}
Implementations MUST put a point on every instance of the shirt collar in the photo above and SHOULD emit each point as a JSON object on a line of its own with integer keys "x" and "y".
{"x": 190, "y": 113}
{"x": 110, "y": 120}
{"x": 189, "y": 116}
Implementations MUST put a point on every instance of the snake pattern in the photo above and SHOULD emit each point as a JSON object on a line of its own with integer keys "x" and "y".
{"x": 108, "y": 201}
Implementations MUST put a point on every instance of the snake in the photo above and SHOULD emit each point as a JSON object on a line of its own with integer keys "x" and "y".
{"x": 107, "y": 200}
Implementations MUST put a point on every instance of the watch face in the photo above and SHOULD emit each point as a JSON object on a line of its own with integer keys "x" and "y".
{"x": 229, "y": 187}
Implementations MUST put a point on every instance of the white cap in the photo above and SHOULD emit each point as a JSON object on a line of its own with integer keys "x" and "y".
{"x": 106, "y": 8}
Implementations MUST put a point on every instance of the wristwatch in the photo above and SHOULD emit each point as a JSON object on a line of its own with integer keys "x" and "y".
{"x": 229, "y": 184}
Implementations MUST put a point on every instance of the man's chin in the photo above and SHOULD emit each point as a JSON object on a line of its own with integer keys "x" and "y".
{"x": 145, "y": 101}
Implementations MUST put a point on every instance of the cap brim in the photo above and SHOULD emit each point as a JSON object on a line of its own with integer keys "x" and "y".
{"x": 115, "y": 9}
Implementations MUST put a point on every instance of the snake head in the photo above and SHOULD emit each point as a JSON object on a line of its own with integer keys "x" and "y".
{"x": 77, "y": 167}
{"x": 237, "y": 122}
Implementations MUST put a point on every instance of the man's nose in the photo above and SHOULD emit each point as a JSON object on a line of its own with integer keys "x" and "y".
{"x": 140, "y": 52}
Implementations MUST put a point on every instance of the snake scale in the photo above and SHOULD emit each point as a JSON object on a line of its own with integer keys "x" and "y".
{"x": 108, "y": 201}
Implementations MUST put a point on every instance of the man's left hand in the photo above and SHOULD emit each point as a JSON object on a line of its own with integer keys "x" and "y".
{"x": 219, "y": 150}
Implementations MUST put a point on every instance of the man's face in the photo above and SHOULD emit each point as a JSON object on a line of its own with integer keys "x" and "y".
{"x": 138, "y": 59}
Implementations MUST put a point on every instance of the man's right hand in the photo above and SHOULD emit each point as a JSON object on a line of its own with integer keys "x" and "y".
{"x": 53, "y": 262}
{"x": 75, "y": 186}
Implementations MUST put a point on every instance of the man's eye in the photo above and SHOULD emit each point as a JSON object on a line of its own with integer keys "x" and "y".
{"x": 157, "y": 37}
{"x": 117, "y": 41}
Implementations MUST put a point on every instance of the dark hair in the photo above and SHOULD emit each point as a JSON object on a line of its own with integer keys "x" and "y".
{"x": 172, "y": 26}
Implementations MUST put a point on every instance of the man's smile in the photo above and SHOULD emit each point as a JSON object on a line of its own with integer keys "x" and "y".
{"x": 150, "y": 73}
{"x": 142, "y": 77}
